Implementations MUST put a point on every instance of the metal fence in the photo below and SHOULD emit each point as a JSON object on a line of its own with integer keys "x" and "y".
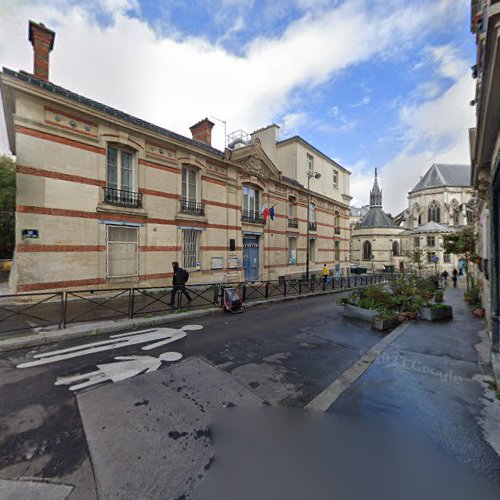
{"x": 36, "y": 310}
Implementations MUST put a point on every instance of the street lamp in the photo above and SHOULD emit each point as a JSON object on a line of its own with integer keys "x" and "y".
{"x": 316, "y": 175}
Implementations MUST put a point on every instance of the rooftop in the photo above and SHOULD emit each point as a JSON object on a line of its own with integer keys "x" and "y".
{"x": 55, "y": 89}
{"x": 440, "y": 175}
{"x": 376, "y": 217}
{"x": 434, "y": 227}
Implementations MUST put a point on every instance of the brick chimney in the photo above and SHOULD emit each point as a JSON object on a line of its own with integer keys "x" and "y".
{"x": 42, "y": 40}
{"x": 202, "y": 131}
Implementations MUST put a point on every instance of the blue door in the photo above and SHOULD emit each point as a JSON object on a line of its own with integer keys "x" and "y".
{"x": 251, "y": 258}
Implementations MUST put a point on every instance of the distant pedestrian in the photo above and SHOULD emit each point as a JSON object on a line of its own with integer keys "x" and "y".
{"x": 445, "y": 275}
{"x": 325, "y": 272}
{"x": 454, "y": 277}
{"x": 179, "y": 281}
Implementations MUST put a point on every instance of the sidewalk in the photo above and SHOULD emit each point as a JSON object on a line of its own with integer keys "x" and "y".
{"x": 435, "y": 377}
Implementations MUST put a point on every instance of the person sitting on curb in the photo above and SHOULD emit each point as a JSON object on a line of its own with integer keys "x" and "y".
{"x": 179, "y": 281}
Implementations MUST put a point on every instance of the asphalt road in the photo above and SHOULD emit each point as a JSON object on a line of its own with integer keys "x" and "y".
{"x": 151, "y": 436}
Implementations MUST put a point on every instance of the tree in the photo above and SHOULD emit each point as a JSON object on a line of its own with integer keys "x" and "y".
{"x": 461, "y": 243}
{"x": 7, "y": 206}
{"x": 415, "y": 258}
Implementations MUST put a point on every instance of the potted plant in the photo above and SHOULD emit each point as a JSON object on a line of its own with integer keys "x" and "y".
{"x": 436, "y": 312}
{"x": 385, "y": 320}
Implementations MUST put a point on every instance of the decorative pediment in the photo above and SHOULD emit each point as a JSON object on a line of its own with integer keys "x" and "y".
{"x": 254, "y": 160}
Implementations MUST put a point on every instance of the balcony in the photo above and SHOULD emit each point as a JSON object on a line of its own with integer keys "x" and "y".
{"x": 122, "y": 197}
{"x": 312, "y": 226}
{"x": 337, "y": 230}
{"x": 293, "y": 222}
{"x": 252, "y": 216}
{"x": 192, "y": 207}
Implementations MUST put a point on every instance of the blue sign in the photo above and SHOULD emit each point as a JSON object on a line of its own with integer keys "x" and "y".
{"x": 435, "y": 259}
{"x": 30, "y": 233}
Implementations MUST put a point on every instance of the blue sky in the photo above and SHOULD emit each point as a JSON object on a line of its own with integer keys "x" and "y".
{"x": 372, "y": 83}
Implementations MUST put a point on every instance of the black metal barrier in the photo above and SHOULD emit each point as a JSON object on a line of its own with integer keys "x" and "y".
{"x": 37, "y": 310}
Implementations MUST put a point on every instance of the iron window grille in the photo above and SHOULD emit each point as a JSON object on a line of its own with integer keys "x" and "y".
{"x": 253, "y": 216}
{"x": 122, "y": 197}
{"x": 293, "y": 222}
{"x": 192, "y": 207}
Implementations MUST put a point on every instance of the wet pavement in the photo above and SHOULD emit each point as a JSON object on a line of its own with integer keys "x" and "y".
{"x": 151, "y": 433}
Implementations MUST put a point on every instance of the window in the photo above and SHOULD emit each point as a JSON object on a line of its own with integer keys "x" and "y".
{"x": 312, "y": 250}
{"x": 292, "y": 213}
{"x": 312, "y": 212}
{"x": 470, "y": 217}
{"x": 395, "y": 249}
{"x": 120, "y": 169}
{"x": 367, "y": 250}
{"x": 122, "y": 251}
{"x": 337, "y": 251}
{"x": 419, "y": 219}
{"x": 430, "y": 256}
{"x": 434, "y": 212}
{"x": 190, "y": 184}
{"x": 431, "y": 241}
{"x": 310, "y": 162}
{"x": 446, "y": 258}
{"x": 251, "y": 199}
{"x": 336, "y": 179}
{"x": 190, "y": 248}
{"x": 416, "y": 242}
{"x": 292, "y": 250}
{"x": 337, "y": 223}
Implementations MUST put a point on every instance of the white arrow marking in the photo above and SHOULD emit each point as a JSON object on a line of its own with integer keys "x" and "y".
{"x": 124, "y": 367}
{"x": 162, "y": 336}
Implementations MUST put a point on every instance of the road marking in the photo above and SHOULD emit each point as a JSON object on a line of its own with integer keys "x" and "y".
{"x": 325, "y": 399}
{"x": 124, "y": 367}
{"x": 158, "y": 337}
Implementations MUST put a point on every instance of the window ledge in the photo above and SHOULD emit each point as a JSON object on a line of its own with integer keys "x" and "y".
{"x": 190, "y": 217}
{"x": 115, "y": 209}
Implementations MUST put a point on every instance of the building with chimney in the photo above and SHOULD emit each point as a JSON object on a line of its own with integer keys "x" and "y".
{"x": 107, "y": 200}
{"x": 376, "y": 241}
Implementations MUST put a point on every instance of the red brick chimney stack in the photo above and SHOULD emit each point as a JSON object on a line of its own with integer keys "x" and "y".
{"x": 42, "y": 40}
{"x": 202, "y": 131}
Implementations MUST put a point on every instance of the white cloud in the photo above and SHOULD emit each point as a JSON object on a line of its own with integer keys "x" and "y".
{"x": 175, "y": 82}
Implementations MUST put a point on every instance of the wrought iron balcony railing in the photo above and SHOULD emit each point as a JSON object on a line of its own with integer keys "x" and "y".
{"x": 293, "y": 222}
{"x": 122, "y": 197}
{"x": 312, "y": 226}
{"x": 192, "y": 207}
{"x": 253, "y": 216}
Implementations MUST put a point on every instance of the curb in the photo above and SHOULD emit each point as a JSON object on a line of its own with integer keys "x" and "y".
{"x": 326, "y": 398}
{"x": 495, "y": 363}
{"x": 105, "y": 327}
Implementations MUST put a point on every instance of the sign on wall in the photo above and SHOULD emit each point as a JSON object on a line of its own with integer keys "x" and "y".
{"x": 217, "y": 263}
{"x": 30, "y": 234}
{"x": 233, "y": 262}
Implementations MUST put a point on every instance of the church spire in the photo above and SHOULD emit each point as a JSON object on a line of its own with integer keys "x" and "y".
{"x": 375, "y": 194}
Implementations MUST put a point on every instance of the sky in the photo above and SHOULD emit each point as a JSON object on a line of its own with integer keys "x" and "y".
{"x": 371, "y": 83}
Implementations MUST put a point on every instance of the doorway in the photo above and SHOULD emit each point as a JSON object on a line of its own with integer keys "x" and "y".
{"x": 251, "y": 258}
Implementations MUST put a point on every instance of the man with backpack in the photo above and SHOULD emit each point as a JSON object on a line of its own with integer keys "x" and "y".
{"x": 179, "y": 281}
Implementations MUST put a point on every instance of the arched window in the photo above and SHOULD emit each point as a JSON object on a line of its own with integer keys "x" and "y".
{"x": 434, "y": 212}
{"x": 367, "y": 250}
{"x": 395, "y": 249}
{"x": 470, "y": 216}
{"x": 419, "y": 219}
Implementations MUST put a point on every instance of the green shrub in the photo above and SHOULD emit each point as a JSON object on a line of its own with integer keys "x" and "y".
{"x": 438, "y": 297}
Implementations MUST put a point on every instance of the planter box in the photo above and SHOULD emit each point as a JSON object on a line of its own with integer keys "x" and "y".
{"x": 436, "y": 314}
{"x": 359, "y": 313}
{"x": 383, "y": 324}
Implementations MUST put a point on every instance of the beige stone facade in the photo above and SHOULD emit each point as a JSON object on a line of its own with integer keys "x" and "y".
{"x": 105, "y": 200}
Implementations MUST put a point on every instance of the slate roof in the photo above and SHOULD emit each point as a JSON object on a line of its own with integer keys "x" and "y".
{"x": 441, "y": 174}
{"x": 434, "y": 227}
{"x": 50, "y": 87}
{"x": 376, "y": 217}
{"x": 359, "y": 211}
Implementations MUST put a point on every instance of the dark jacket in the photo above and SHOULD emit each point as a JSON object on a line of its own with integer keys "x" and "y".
{"x": 179, "y": 277}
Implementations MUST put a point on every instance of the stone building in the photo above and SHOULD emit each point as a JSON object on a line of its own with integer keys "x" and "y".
{"x": 485, "y": 155}
{"x": 376, "y": 241}
{"x": 107, "y": 200}
{"x": 440, "y": 203}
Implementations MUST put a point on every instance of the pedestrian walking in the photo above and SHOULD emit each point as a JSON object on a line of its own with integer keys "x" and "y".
{"x": 445, "y": 275}
{"x": 179, "y": 281}
{"x": 325, "y": 272}
{"x": 454, "y": 277}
